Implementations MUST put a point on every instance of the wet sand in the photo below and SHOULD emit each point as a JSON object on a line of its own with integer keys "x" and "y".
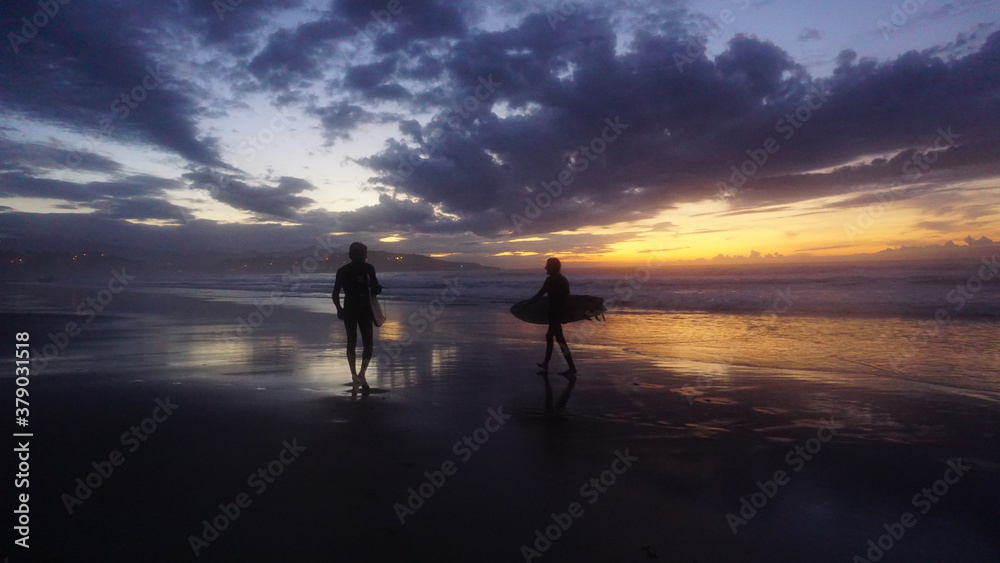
{"x": 688, "y": 441}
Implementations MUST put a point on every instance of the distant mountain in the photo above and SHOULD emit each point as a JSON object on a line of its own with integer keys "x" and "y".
{"x": 382, "y": 260}
{"x": 60, "y": 266}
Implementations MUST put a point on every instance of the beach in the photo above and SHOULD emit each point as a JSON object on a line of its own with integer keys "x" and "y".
{"x": 167, "y": 431}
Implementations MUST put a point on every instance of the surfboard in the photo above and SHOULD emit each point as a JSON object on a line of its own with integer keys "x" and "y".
{"x": 578, "y": 308}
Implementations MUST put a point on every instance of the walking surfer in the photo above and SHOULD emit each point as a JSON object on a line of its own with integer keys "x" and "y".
{"x": 557, "y": 287}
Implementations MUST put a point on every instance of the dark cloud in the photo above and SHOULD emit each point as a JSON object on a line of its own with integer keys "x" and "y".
{"x": 689, "y": 120}
{"x": 31, "y": 158}
{"x": 281, "y": 200}
{"x": 423, "y": 20}
{"x": 388, "y": 214}
{"x": 291, "y": 58}
{"x": 135, "y": 197}
{"x": 228, "y": 24}
{"x": 408, "y": 21}
{"x": 92, "y": 69}
{"x": 964, "y": 44}
{"x": 294, "y": 58}
{"x": 423, "y": 67}
{"x": 17, "y": 184}
{"x": 371, "y": 80}
{"x": 340, "y": 118}
{"x": 906, "y": 174}
{"x": 140, "y": 208}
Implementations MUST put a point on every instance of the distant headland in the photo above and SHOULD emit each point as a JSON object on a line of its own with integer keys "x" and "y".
{"x": 57, "y": 266}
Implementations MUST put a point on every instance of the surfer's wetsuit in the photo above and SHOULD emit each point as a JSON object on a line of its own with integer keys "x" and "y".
{"x": 557, "y": 286}
{"x": 357, "y": 279}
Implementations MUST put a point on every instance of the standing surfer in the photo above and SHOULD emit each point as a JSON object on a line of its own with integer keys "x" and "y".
{"x": 357, "y": 279}
{"x": 557, "y": 286}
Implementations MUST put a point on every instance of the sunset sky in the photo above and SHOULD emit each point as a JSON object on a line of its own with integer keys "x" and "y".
{"x": 689, "y": 128}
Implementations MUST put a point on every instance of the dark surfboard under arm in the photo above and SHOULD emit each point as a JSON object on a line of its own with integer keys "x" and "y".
{"x": 578, "y": 308}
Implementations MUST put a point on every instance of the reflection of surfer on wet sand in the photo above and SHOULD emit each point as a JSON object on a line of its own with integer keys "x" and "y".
{"x": 559, "y": 407}
{"x": 557, "y": 286}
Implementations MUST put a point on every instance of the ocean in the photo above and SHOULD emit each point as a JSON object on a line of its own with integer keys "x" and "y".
{"x": 931, "y": 323}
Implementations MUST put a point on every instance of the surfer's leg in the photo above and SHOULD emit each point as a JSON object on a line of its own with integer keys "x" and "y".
{"x": 365, "y": 324}
{"x": 351, "y": 323}
{"x": 565, "y": 350}
{"x": 548, "y": 347}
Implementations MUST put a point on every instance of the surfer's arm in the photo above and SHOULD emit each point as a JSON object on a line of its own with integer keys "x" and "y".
{"x": 541, "y": 292}
{"x": 375, "y": 287}
{"x": 337, "y": 285}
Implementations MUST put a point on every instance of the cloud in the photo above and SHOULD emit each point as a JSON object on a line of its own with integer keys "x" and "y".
{"x": 809, "y": 34}
{"x": 17, "y": 184}
{"x": 415, "y": 20}
{"x": 281, "y": 200}
{"x": 291, "y": 57}
{"x": 33, "y": 158}
{"x": 688, "y": 124}
{"x": 339, "y": 119}
{"x": 66, "y": 75}
{"x": 388, "y": 215}
{"x": 955, "y": 8}
{"x": 370, "y": 80}
{"x": 141, "y": 208}
{"x": 230, "y": 25}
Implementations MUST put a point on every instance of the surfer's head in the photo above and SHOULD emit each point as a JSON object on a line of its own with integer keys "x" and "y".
{"x": 357, "y": 252}
{"x": 553, "y": 265}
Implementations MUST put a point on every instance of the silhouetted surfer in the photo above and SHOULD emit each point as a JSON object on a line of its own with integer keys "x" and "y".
{"x": 557, "y": 286}
{"x": 357, "y": 279}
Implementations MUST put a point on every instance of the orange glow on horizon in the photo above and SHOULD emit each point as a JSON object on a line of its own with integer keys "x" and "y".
{"x": 834, "y": 227}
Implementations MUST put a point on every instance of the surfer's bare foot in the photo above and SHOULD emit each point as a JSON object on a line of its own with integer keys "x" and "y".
{"x": 569, "y": 374}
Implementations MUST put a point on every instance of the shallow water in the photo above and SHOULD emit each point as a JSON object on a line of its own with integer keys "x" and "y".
{"x": 833, "y": 321}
